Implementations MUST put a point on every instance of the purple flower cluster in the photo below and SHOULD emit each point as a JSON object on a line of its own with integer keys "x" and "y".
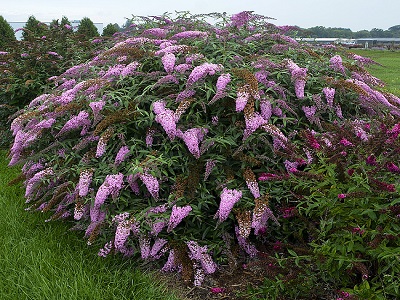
{"x": 249, "y": 248}
{"x": 202, "y": 71}
{"x": 210, "y": 164}
{"x": 80, "y": 120}
{"x": 299, "y": 77}
{"x": 309, "y": 112}
{"x": 121, "y": 155}
{"x": 228, "y": 199}
{"x": 336, "y": 64}
{"x": 85, "y": 178}
{"x": 329, "y": 95}
{"x": 121, "y": 235}
{"x": 165, "y": 117}
{"x": 253, "y": 122}
{"x": 129, "y": 69}
{"x": 177, "y": 215}
{"x": 187, "y": 93}
{"x": 192, "y": 138}
{"x": 111, "y": 186}
{"x": 221, "y": 85}
{"x": 241, "y": 19}
{"x": 151, "y": 184}
{"x": 106, "y": 249}
{"x": 31, "y": 183}
{"x": 157, "y": 32}
{"x": 189, "y": 35}
{"x": 199, "y": 254}
{"x": 241, "y": 99}
{"x": 171, "y": 263}
{"x": 168, "y": 61}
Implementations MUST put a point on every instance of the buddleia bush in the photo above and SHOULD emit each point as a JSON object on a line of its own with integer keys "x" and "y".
{"x": 182, "y": 144}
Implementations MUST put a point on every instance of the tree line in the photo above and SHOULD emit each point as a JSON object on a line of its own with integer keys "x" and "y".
{"x": 328, "y": 32}
{"x": 86, "y": 28}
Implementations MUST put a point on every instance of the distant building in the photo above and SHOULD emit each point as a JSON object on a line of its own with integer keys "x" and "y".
{"x": 74, "y": 24}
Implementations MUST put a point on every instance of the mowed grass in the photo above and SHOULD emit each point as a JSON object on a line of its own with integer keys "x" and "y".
{"x": 45, "y": 261}
{"x": 388, "y": 70}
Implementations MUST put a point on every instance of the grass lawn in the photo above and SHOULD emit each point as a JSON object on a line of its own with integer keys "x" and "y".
{"x": 45, "y": 261}
{"x": 388, "y": 71}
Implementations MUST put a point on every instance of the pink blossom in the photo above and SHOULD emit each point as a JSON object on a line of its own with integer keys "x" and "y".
{"x": 151, "y": 184}
{"x": 168, "y": 61}
{"x": 80, "y": 120}
{"x": 329, "y": 95}
{"x": 336, "y": 64}
{"x": 177, "y": 215}
{"x": 121, "y": 155}
{"x": 342, "y": 196}
{"x": 85, "y": 178}
{"x": 228, "y": 199}
{"x": 202, "y": 71}
{"x": 192, "y": 138}
{"x": 241, "y": 99}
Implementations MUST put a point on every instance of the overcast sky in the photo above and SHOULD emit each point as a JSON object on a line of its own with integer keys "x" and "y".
{"x": 353, "y": 14}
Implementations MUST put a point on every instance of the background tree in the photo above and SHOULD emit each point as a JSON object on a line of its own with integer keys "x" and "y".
{"x": 6, "y": 33}
{"x": 87, "y": 28}
{"x": 34, "y": 27}
{"x": 110, "y": 29}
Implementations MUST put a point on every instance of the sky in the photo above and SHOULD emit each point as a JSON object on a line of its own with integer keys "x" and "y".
{"x": 354, "y": 14}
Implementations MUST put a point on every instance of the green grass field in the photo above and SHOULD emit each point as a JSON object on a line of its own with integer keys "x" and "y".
{"x": 388, "y": 71}
{"x": 45, "y": 261}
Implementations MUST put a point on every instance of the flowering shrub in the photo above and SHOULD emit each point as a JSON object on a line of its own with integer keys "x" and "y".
{"x": 200, "y": 145}
{"x": 25, "y": 66}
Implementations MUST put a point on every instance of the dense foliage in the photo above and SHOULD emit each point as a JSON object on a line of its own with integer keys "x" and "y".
{"x": 6, "y": 33}
{"x": 26, "y": 65}
{"x": 206, "y": 146}
{"x": 87, "y": 28}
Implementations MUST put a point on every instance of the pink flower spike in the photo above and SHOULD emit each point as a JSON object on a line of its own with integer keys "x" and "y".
{"x": 217, "y": 290}
{"x": 177, "y": 215}
{"x": 228, "y": 199}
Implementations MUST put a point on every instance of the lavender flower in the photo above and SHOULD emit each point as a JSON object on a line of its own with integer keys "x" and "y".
{"x": 157, "y": 32}
{"x": 171, "y": 263}
{"x": 80, "y": 120}
{"x": 192, "y": 138}
{"x": 111, "y": 186}
{"x": 253, "y": 122}
{"x": 189, "y": 35}
{"x": 182, "y": 68}
{"x": 129, "y": 69}
{"x": 106, "y": 249}
{"x": 168, "y": 61}
{"x": 151, "y": 184}
{"x": 329, "y": 95}
{"x": 177, "y": 215}
{"x": 166, "y": 118}
{"x": 228, "y": 199}
{"x": 144, "y": 243}
{"x": 241, "y": 19}
{"x": 202, "y": 71}
{"x": 222, "y": 82}
{"x": 336, "y": 64}
{"x": 210, "y": 164}
{"x": 266, "y": 109}
{"x": 309, "y": 111}
{"x": 121, "y": 235}
{"x": 250, "y": 249}
{"x": 36, "y": 179}
{"x": 121, "y": 155}
{"x": 241, "y": 99}
{"x": 392, "y": 167}
{"x": 85, "y": 178}
{"x": 96, "y": 108}
{"x": 200, "y": 254}
{"x": 157, "y": 248}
